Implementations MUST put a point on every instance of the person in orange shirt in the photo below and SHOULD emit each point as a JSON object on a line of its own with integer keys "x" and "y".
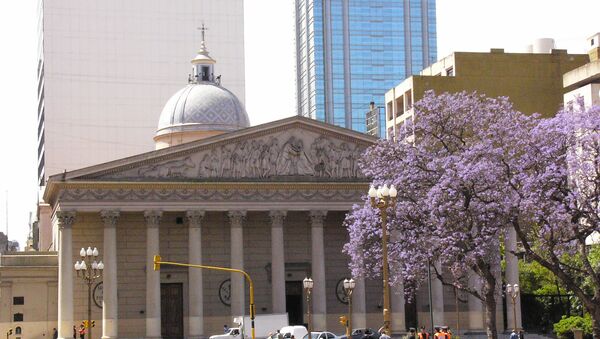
{"x": 423, "y": 334}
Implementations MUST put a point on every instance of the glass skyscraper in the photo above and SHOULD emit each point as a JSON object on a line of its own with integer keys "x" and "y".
{"x": 350, "y": 52}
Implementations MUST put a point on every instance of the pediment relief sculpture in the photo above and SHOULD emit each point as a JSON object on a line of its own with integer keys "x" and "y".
{"x": 299, "y": 154}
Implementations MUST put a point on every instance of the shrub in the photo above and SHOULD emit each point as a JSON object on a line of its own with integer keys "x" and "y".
{"x": 563, "y": 328}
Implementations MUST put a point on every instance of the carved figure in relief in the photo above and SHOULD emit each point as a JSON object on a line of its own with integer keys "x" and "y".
{"x": 238, "y": 160}
{"x": 270, "y": 158}
{"x": 170, "y": 169}
{"x": 345, "y": 167}
{"x": 226, "y": 166}
{"x": 334, "y": 159}
{"x": 320, "y": 157}
{"x": 293, "y": 157}
{"x": 255, "y": 158}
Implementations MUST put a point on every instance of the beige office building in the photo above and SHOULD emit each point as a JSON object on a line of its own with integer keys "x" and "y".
{"x": 583, "y": 83}
{"x": 532, "y": 81}
{"x": 107, "y": 67}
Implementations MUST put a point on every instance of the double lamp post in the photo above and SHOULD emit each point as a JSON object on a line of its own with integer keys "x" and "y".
{"x": 384, "y": 198}
{"x": 513, "y": 292}
{"x": 89, "y": 273}
{"x": 349, "y": 285}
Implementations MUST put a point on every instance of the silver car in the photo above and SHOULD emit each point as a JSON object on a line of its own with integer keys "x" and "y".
{"x": 321, "y": 335}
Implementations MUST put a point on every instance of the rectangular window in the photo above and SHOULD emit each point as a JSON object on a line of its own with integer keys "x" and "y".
{"x": 450, "y": 71}
{"x": 18, "y": 300}
{"x": 18, "y": 317}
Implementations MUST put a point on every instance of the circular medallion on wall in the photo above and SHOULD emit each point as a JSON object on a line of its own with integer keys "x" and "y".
{"x": 225, "y": 292}
{"x": 340, "y": 292}
{"x": 98, "y": 294}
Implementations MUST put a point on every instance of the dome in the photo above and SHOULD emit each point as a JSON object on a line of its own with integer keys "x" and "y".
{"x": 202, "y": 107}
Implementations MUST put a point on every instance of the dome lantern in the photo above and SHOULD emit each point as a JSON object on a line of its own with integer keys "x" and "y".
{"x": 203, "y": 64}
{"x": 201, "y": 109}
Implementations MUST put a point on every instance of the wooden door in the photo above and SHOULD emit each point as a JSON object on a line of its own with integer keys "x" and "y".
{"x": 171, "y": 309}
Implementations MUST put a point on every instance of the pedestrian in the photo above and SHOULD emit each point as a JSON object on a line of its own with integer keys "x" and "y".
{"x": 423, "y": 334}
{"x": 521, "y": 334}
{"x": 279, "y": 335}
{"x": 225, "y": 328}
{"x": 74, "y": 332}
{"x": 54, "y": 333}
{"x": 514, "y": 335}
{"x": 81, "y": 332}
{"x": 411, "y": 334}
{"x": 382, "y": 334}
{"x": 446, "y": 332}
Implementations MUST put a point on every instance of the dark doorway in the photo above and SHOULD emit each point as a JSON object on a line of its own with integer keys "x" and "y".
{"x": 293, "y": 302}
{"x": 410, "y": 313}
{"x": 171, "y": 310}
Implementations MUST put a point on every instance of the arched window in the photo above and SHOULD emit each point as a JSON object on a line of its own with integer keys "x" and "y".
{"x": 18, "y": 330}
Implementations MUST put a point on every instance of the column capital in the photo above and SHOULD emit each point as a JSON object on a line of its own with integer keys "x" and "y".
{"x": 110, "y": 217}
{"x": 194, "y": 217}
{"x": 277, "y": 217}
{"x": 65, "y": 218}
{"x": 317, "y": 217}
{"x": 152, "y": 218}
{"x": 236, "y": 218}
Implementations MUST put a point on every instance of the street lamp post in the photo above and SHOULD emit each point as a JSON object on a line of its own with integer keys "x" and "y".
{"x": 513, "y": 292}
{"x": 89, "y": 276}
{"x": 349, "y": 285}
{"x": 308, "y": 286}
{"x": 384, "y": 198}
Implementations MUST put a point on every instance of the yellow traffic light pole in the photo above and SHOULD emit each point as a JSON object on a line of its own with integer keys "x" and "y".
{"x": 158, "y": 262}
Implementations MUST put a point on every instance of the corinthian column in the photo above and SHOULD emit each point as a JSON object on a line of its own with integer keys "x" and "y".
{"x": 196, "y": 302}
{"x": 110, "y": 302}
{"x": 65, "y": 221}
{"x": 152, "y": 277}
{"x": 277, "y": 261}
{"x": 237, "y": 261}
{"x": 318, "y": 269}
{"x": 512, "y": 277}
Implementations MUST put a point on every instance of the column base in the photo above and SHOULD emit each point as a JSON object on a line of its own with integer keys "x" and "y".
{"x": 319, "y": 322}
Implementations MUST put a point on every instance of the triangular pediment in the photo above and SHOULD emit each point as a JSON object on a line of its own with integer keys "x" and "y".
{"x": 292, "y": 149}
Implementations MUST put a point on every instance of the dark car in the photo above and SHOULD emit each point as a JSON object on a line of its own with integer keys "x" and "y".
{"x": 363, "y": 333}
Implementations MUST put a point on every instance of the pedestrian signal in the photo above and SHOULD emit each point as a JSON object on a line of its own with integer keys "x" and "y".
{"x": 157, "y": 262}
{"x": 344, "y": 320}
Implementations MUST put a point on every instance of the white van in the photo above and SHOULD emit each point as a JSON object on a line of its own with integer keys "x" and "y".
{"x": 297, "y": 331}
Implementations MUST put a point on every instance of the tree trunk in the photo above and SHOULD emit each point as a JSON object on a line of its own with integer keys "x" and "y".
{"x": 490, "y": 314}
{"x": 595, "y": 313}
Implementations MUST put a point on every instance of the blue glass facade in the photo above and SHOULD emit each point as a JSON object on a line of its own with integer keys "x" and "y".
{"x": 350, "y": 52}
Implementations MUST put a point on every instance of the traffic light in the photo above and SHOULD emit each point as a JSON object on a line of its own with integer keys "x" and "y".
{"x": 10, "y": 331}
{"x": 85, "y": 324}
{"x": 157, "y": 259}
{"x": 344, "y": 320}
{"x": 93, "y": 323}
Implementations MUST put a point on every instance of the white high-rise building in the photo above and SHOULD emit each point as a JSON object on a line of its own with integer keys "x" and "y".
{"x": 107, "y": 67}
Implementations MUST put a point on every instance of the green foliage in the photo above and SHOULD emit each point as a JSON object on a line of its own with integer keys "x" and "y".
{"x": 536, "y": 279}
{"x": 563, "y": 328}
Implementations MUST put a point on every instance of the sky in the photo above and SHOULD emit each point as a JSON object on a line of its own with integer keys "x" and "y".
{"x": 462, "y": 25}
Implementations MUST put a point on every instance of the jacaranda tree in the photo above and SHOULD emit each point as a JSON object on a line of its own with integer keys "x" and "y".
{"x": 449, "y": 168}
{"x": 557, "y": 179}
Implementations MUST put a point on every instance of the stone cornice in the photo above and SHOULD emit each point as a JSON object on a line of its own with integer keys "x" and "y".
{"x": 130, "y": 191}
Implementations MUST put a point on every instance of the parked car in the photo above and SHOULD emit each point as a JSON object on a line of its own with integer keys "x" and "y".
{"x": 321, "y": 335}
{"x": 363, "y": 333}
